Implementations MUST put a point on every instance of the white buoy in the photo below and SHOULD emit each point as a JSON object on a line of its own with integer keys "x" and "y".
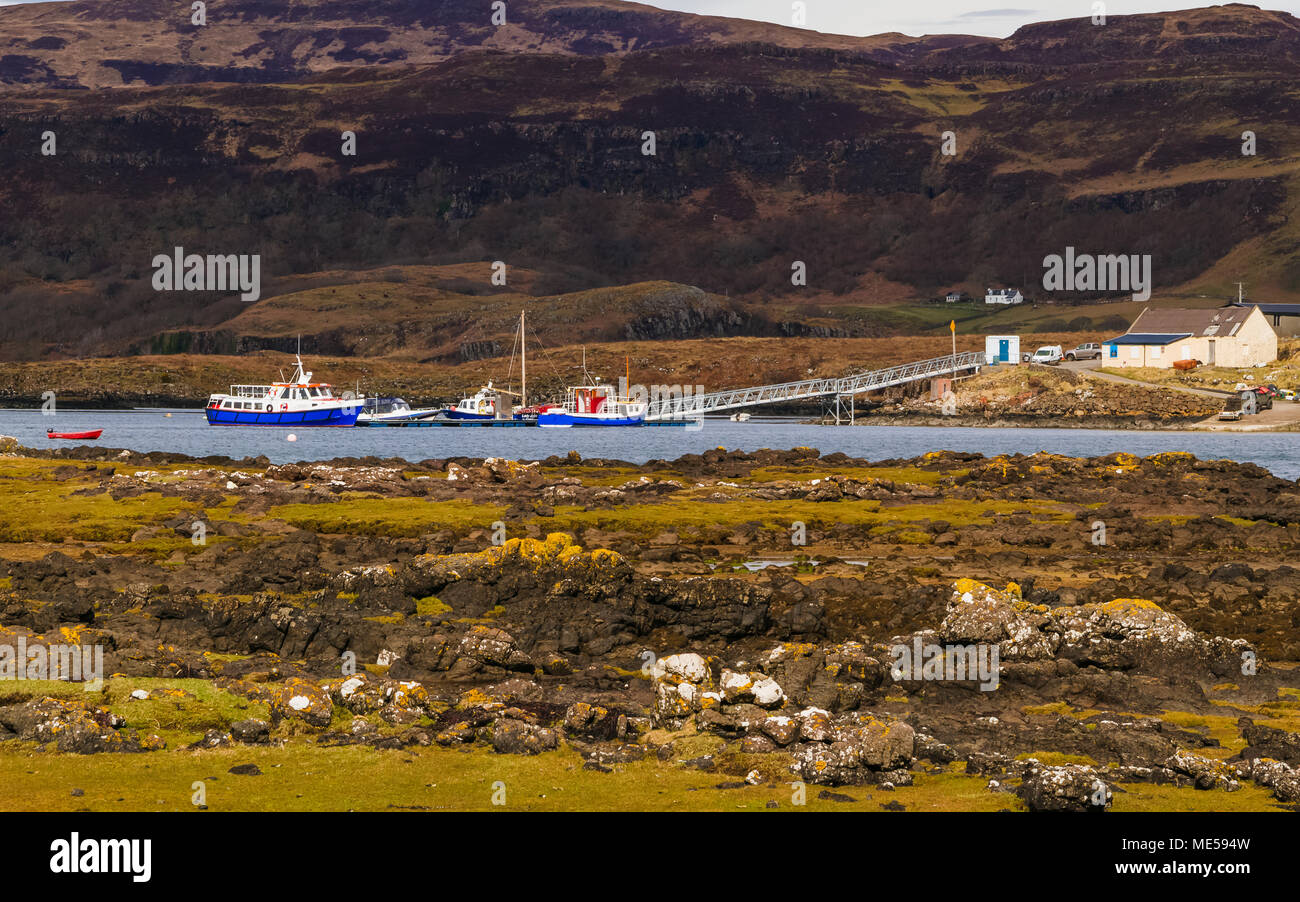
{"x": 291, "y": 437}
{"x": 167, "y": 414}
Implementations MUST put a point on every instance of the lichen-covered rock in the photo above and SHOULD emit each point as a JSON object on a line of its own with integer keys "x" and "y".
{"x": 1283, "y": 779}
{"x": 980, "y": 614}
{"x": 299, "y": 699}
{"x": 860, "y": 748}
{"x": 834, "y": 677}
{"x": 814, "y": 725}
{"x": 880, "y": 744}
{"x": 74, "y": 725}
{"x": 755, "y": 688}
{"x": 781, "y": 729}
{"x": 1121, "y": 634}
{"x": 684, "y": 684}
{"x": 1206, "y": 773}
{"x": 1066, "y": 787}
{"x": 1269, "y": 742}
{"x": 252, "y": 731}
{"x": 496, "y": 647}
{"x": 516, "y": 737}
{"x": 1124, "y": 632}
{"x": 591, "y": 721}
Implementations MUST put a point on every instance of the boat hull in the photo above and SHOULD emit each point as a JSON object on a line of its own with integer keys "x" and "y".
{"x": 409, "y": 416}
{"x": 452, "y": 413}
{"x": 564, "y": 420}
{"x": 327, "y": 416}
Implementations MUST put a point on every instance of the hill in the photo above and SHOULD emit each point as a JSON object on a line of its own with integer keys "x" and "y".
{"x": 776, "y": 150}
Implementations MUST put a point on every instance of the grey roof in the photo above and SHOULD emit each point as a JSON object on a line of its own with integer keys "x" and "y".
{"x": 1212, "y": 321}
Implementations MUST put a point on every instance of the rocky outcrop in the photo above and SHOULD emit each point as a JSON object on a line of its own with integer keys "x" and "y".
{"x": 1068, "y": 787}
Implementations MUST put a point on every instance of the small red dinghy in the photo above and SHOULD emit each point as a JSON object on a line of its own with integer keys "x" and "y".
{"x": 50, "y": 433}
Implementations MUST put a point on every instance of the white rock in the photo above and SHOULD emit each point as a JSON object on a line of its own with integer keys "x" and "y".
{"x": 767, "y": 692}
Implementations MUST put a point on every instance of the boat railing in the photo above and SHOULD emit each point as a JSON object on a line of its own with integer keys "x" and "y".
{"x": 250, "y": 391}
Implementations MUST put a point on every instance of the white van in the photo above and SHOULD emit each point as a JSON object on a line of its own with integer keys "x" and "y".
{"x": 1048, "y": 354}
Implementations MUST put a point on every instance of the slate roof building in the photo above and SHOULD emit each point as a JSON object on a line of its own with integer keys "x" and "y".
{"x": 1215, "y": 336}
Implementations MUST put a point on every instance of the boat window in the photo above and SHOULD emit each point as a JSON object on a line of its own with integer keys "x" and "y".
{"x": 284, "y": 393}
{"x": 226, "y": 404}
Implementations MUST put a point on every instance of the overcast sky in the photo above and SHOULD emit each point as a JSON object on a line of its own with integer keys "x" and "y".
{"x": 918, "y": 17}
{"x": 997, "y": 18}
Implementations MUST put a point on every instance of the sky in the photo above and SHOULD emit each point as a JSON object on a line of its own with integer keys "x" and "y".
{"x": 864, "y": 17}
{"x": 917, "y": 17}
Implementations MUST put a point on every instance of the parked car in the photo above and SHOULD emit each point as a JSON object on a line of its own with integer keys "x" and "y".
{"x": 1231, "y": 409}
{"x": 1086, "y": 351}
{"x": 1048, "y": 354}
{"x": 1263, "y": 398}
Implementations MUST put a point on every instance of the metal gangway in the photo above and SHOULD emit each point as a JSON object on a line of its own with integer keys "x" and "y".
{"x": 682, "y": 406}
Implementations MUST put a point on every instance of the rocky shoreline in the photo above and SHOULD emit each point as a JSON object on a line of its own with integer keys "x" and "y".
{"x": 738, "y": 617}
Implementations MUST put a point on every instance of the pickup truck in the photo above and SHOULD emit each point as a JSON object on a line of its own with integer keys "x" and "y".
{"x": 1085, "y": 351}
{"x": 1047, "y": 354}
{"x": 1231, "y": 409}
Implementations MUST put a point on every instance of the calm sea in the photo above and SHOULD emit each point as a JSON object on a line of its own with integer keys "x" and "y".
{"x": 187, "y": 432}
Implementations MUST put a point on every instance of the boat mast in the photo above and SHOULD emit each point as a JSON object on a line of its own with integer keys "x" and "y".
{"x": 523, "y": 366}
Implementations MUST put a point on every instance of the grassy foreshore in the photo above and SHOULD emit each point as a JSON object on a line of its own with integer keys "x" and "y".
{"x": 524, "y": 664}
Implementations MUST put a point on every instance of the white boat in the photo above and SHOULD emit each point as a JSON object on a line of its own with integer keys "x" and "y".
{"x": 740, "y": 418}
{"x": 392, "y": 410}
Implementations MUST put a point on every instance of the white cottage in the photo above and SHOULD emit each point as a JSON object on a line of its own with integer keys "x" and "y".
{"x": 1004, "y": 296}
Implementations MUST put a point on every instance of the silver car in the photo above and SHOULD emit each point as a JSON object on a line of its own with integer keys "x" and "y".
{"x": 1084, "y": 352}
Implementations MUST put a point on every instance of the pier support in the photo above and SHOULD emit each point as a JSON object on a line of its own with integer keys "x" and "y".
{"x": 841, "y": 414}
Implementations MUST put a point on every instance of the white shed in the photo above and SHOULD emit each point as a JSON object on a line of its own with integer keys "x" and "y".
{"x": 1002, "y": 349}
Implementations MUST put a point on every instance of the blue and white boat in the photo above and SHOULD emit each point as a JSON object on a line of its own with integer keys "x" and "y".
{"x": 594, "y": 404}
{"x": 482, "y": 405}
{"x": 298, "y": 402}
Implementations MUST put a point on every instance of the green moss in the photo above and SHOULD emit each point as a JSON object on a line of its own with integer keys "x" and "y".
{"x": 431, "y": 606}
{"x": 178, "y": 720}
